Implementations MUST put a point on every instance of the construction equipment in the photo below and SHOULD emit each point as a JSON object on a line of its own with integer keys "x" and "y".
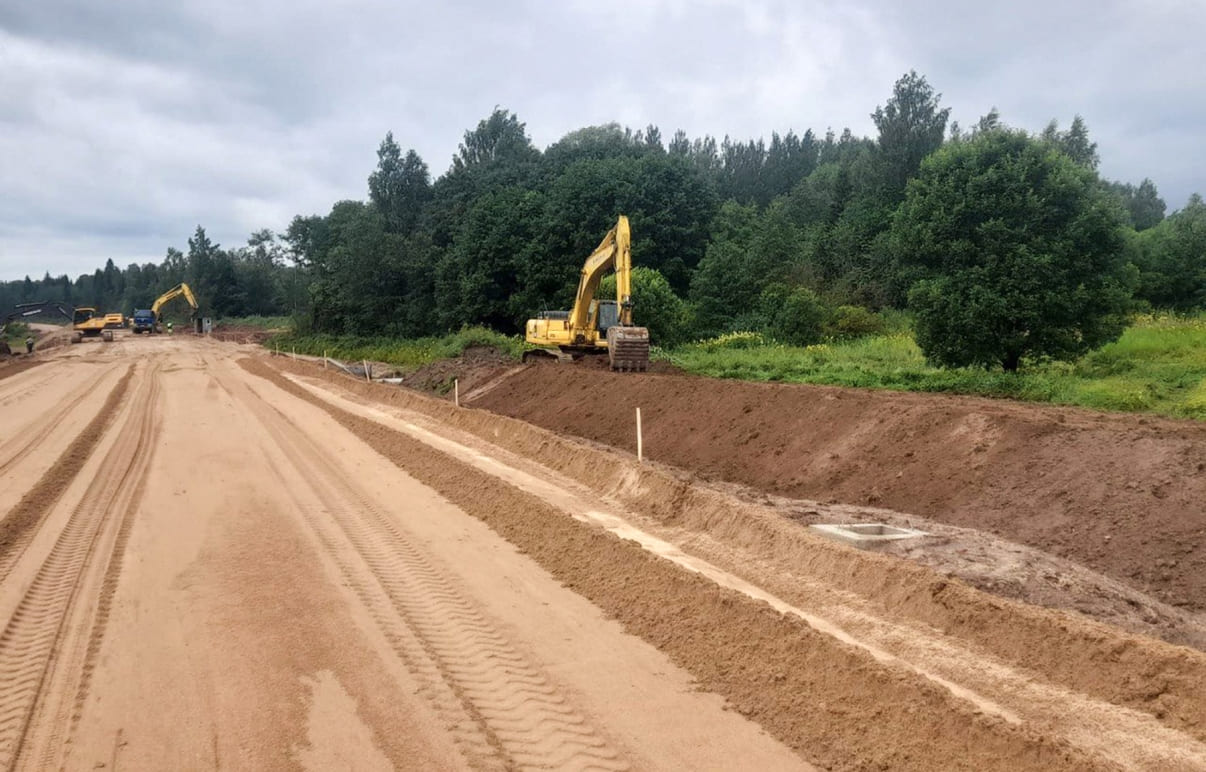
{"x": 151, "y": 320}
{"x": 596, "y": 326}
{"x": 89, "y": 324}
{"x": 22, "y": 310}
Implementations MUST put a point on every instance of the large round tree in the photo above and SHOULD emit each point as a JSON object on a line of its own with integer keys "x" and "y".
{"x": 1016, "y": 250}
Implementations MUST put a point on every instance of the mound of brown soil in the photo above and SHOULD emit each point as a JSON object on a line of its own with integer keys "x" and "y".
{"x": 476, "y": 366}
{"x": 1121, "y": 494}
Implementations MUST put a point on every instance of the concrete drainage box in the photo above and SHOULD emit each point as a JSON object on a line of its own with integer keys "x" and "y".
{"x": 866, "y": 535}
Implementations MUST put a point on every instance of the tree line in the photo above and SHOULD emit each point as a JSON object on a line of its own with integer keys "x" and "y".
{"x": 258, "y": 279}
{"x": 986, "y": 227}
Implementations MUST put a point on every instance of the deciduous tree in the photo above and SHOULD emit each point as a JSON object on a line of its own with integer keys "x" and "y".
{"x": 1019, "y": 251}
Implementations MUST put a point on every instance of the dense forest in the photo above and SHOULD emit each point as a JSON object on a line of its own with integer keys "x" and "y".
{"x": 795, "y": 236}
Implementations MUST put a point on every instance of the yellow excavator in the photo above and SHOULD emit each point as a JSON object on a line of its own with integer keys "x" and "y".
{"x": 596, "y": 326}
{"x": 88, "y": 323}
{"x": 149, "y": 320}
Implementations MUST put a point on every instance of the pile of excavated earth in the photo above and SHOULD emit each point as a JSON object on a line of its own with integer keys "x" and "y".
{"x": 1121, "y": 495}
{"x": 333, "y": 572}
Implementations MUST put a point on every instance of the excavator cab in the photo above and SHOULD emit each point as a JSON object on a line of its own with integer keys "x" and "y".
{"x": 607, "y": 315}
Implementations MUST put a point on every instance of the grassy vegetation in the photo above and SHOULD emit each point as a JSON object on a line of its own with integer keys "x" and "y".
{"x": 406, "y": 354}
{"x": 1158, "y": 366}
{"x": 262, "y": 322}
{"x": 16, "y": 332}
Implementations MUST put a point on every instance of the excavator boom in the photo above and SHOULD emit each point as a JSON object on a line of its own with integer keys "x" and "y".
{"x": 180, "y": 290}
{"x": 22, "y": 310}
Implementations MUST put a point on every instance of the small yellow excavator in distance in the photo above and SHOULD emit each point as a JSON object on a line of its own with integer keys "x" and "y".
{"x": 596, "y": 326}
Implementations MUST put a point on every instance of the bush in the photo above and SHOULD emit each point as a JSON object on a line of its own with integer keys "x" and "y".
{"x": 849, "y": 322}
{"x": 654, "y": 305}
{"x": 794, "y": 316}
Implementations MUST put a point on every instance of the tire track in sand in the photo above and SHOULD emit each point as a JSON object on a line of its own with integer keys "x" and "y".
{"x": 14, "y": 391}
{"x": 21, "y": 523}
{"x": 28, "y": 437}
{"x": 49, "y": 641}
{"x": 519, "y": 718}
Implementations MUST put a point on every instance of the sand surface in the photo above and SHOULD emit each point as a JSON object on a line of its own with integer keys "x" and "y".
{"x": 212, "y": 558}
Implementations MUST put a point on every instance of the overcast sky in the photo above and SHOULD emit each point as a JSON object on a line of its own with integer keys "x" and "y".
{"x": 126, "y": 123}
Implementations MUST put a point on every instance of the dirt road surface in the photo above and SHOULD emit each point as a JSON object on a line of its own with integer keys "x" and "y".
{"x": 214, "y": 559}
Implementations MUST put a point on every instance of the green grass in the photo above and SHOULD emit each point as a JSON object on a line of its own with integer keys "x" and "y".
{"x": 1157, "y": 366}
{"x": 16, "y": 332}
{"x": 405, "y": 354}
{"x": 262, "y": 322}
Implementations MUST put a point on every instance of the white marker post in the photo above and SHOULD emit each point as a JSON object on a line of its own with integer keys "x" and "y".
{"x": 367, "y": 378}
{"x": 295, "y": 353}
{"x": 324, "y": 359}
{"x": 456, "y": 391}
{"x": 640, "y": 447}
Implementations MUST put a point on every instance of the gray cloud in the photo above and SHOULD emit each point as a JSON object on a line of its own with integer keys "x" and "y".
{"x": 125, "y": 124}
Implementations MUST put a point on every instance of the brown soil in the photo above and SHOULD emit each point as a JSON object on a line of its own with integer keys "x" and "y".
{"x": 234, "y": 333}
{"x": 1121, "y": 494}
{"x": 480, "y": 367}
{"x": 220, "y": 576}
{"x": 766, "y": 663}
{"x": 18, "y": 363}
{"x": 272, "y": 566}
{"x": 475, "y": 366}
{"x": 759, "y": 544}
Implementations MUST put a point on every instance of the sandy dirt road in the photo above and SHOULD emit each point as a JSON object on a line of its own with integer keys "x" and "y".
{"x": 210, "y": 559}
{"x": 228, "y": 579}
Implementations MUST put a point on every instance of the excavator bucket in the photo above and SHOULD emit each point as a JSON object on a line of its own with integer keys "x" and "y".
{"x": 628, "y": 348}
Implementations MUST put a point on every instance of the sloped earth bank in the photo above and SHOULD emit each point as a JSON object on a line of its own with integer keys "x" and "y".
{"x": 1121, "y": 494}
{"x": 855, "y": 659}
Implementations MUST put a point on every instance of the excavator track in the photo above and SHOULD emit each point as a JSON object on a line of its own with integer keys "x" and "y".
{"x": 628, "y": 348}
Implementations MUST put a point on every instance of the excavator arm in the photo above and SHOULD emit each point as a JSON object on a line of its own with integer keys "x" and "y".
{"x": 180, "y": 290}
{"x": 22, "y": 310}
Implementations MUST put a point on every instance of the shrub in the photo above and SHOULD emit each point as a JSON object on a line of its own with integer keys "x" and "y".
{"x": 848, "y": 322}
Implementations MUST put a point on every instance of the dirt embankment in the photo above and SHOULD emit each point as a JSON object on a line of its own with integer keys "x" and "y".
{"x": 1121, "y": 494}
{"x": 818, "y": 696}
{"x": 476, "y": 365}
{"x": 1086, "y": 657}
